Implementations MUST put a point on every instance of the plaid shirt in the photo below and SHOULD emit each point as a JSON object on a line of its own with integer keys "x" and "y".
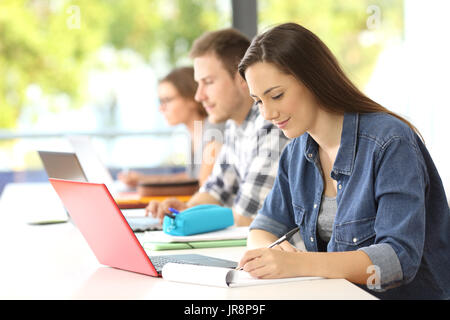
{"x": 247, "y": 165}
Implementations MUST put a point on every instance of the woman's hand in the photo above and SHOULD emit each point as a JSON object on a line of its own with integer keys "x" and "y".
{"x": 281, "y": 261}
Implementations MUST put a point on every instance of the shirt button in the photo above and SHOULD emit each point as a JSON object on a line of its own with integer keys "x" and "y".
{"x": 315, "y": 205}
{"x": 340, "y": 186}
{"x": 312, "y": 239}
{"x": 309, "y": 155}
{"x": 355, "y": 240}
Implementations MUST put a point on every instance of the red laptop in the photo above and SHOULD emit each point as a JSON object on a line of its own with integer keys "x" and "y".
{"x": 99, "y": 219}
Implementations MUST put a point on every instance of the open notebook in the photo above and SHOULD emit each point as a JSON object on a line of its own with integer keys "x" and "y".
{"x": 217, "y": 276}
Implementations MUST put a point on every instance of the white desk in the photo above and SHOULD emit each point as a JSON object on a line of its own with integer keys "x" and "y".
{"x": 55, "y": 262}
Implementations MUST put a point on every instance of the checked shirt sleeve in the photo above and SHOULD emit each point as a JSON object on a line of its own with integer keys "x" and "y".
{"x": 246, "y": 168}
{"x": 261, "y": 171}
{"x": 223, "y": 183}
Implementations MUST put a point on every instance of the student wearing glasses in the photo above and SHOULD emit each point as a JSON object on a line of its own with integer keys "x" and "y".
{"x": 176, "y": 93}
{"x": 356, "y": 179}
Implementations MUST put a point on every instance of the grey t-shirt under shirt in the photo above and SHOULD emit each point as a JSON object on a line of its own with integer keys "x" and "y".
{"x": 327, "y": 213}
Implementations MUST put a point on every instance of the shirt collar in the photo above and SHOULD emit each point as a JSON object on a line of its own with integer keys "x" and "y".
{"x": 345, "y": 158}
{"x": 251, "y": 116}
{"x": 347, "y": 150}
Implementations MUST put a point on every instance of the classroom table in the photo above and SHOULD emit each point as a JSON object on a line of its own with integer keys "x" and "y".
{"x": 55, "y": 262}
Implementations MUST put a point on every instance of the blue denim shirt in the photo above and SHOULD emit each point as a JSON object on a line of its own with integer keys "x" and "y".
{"x": 391, "y": 204}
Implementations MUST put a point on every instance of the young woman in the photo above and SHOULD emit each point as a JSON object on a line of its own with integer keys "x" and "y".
{"x": 176, "y": 93}
{"x": 356, "y": 179}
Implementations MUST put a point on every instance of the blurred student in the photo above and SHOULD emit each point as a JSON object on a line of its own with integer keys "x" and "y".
{"x": 247, "y": 164}
{"x": 356, "y": 178}
{"x": 176, "y": 93}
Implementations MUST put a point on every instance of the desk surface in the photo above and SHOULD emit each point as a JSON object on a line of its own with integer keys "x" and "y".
{"x": 55, "y": 262}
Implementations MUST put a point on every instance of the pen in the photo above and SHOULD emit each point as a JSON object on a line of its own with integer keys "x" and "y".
{"x": 286, "y": 237}
{"x": 173, "y": 213}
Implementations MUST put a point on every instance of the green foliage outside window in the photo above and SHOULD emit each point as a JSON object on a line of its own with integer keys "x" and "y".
{"x": 356, "y": 31}
{"x": 53, "y": 44}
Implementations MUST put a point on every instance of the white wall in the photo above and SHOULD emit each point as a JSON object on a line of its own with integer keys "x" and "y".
{"x": 413, "y": 78}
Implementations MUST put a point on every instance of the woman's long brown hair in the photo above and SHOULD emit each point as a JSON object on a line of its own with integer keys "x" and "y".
{"x": 297, "y": 51}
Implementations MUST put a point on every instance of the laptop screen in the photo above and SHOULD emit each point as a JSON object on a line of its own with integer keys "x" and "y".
{"x": 62, "y": 165}
{"x": 93, "y": 167}
{"x": 96, "y": 215}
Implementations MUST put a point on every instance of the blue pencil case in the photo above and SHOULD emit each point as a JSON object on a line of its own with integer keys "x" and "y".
{"x": 198, "y": 219}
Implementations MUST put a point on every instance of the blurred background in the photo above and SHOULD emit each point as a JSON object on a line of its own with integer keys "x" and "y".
{"x": 91, "y": 67}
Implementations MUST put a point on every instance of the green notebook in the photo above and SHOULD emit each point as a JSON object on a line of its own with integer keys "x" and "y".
{"x": 194, "y": 244}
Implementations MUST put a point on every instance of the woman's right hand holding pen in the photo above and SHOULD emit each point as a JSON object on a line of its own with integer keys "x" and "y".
{"x": 284, "y": 260}
{"x": 267, "y": 261}
{"x": 281, "y": 261}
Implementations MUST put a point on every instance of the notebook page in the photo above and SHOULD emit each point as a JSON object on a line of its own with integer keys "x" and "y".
{"x": 237, "y": 278}
{"x": 189, "y": 273}
{"x": 216, "y": 276}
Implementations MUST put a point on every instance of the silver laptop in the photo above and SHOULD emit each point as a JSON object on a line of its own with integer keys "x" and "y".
{"x": 93, "y": 167}
{"x": 66, "y": 165}
{"x": 62, "y": 165}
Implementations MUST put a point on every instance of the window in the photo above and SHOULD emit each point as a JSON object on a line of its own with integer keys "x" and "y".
{"x": 394, "y": 50}
{"x": 92, "y": 67}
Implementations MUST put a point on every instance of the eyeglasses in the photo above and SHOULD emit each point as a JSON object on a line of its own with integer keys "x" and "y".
{"x": 164, "y": 101}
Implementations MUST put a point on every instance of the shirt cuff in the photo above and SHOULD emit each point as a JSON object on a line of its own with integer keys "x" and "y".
{"x": 223, "y": 197}
{"x": 267, "y": 224}
{"x": 386, "y": 265}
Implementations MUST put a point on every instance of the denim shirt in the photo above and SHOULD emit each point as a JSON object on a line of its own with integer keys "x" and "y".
{"x": 390, "y": 198}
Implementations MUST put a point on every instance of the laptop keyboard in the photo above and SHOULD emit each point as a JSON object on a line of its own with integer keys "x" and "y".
{"x": 197, "y": 259}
